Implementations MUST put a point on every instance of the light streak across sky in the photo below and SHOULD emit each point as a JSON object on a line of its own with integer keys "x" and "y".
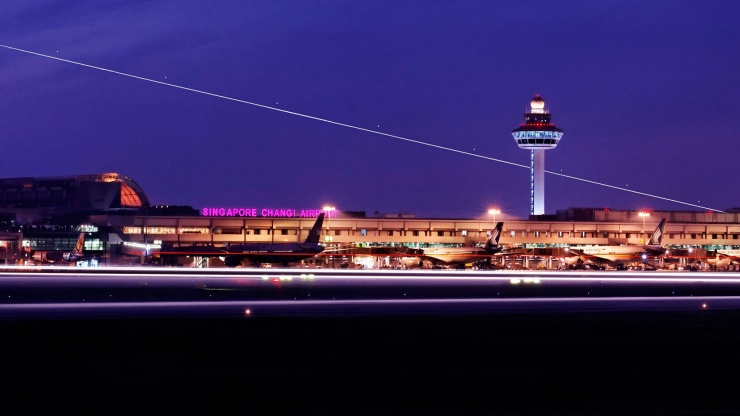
{"x": 352, "y": 126}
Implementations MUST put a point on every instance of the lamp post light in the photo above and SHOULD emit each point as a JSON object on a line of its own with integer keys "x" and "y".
{"x": 329, "y": 210}
{"x": 643, "y": 214}
{"x": 328, "y": 238}
{"x": 494, "y": 211}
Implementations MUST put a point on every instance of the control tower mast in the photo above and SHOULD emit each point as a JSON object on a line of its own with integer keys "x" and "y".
{"x": 537, "y": 134}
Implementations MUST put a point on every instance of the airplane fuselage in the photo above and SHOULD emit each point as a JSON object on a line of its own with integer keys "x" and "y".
{"x": 619, "y": 254}
{"x": 456, "y": 255}
{"x": 271, "y": 253}
{"x": 730, "y": 253}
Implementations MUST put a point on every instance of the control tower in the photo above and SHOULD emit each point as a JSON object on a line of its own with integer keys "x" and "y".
{"x": 537, "y": 134}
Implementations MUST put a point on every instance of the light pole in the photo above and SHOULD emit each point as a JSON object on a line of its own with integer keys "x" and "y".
{"x": 643, "y": 214}
{"x": 328, "y": 239}
{"x": 329, "y": 210}
{"x": 494, "y": 211}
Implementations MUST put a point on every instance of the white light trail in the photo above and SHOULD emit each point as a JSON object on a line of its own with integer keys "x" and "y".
{"x": 260, "y": 275}
{"x": 351, "y": 126}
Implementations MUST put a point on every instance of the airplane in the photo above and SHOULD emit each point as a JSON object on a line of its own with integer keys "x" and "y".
{"x": 234, "y": 255}
{"x": 724, "y": 259}
{"x": 733, "y": 254}
{"x": 620, "y": 256}
{"x": 463, "y": 255}
{"x": 77, "y": 253}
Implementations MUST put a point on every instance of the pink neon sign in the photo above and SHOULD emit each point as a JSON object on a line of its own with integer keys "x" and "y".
{"x": 265, "y": 212}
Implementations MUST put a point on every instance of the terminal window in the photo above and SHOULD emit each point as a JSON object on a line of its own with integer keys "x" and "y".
{"x": 184, "y": 230}
{"x": 93, "y": 245}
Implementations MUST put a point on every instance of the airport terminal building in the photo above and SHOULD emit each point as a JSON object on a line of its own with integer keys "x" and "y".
{"x": 38, "y": 215}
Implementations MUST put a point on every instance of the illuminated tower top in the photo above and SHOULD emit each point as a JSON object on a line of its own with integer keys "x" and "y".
{"x": 537, "y": 132}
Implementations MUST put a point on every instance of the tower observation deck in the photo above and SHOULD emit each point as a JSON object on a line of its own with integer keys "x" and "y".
{"x": 537, "y": 134}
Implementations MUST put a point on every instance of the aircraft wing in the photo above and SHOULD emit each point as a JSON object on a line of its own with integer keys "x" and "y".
{"x": 598, "y": 259}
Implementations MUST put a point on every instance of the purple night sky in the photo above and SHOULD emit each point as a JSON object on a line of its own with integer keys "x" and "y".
{"x": 643, "y": 91}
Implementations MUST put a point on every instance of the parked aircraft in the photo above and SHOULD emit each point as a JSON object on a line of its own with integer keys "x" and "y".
{"x": 620, "y": 256}
{"x": 724, "y": 259}
{"x": 258, "y": 253}
{"x": 463, "y": 255}
{"x": 732, "y": 254}
{"x": 77, "y": 253}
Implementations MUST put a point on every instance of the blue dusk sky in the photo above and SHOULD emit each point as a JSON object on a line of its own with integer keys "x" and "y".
{"x": 419, "y": 100}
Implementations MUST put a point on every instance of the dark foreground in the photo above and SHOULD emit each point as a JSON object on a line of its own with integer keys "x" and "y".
{"x": 585, "y": 363}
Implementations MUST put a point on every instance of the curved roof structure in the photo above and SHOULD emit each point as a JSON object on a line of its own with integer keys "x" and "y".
{"x": 132, "y": 196}
{"x": 100, "y": 192}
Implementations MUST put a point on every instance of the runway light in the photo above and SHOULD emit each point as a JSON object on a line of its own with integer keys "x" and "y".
{"x": 247, "y": 312}
{"x": 703, "y": 305}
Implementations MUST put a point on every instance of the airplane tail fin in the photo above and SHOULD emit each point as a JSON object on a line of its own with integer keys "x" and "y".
{"x": 80, "y": 246}
{"x": 657, "y": 236}
{"x": 495, "y": 236}
{"x": 314, "y": 236}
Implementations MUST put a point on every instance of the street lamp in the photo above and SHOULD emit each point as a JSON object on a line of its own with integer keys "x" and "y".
{"x": 329, "y": 210}
{"x": 494, "y": 211}
{"x": 643, "y": 214}
{"x": 328, "y": 239}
